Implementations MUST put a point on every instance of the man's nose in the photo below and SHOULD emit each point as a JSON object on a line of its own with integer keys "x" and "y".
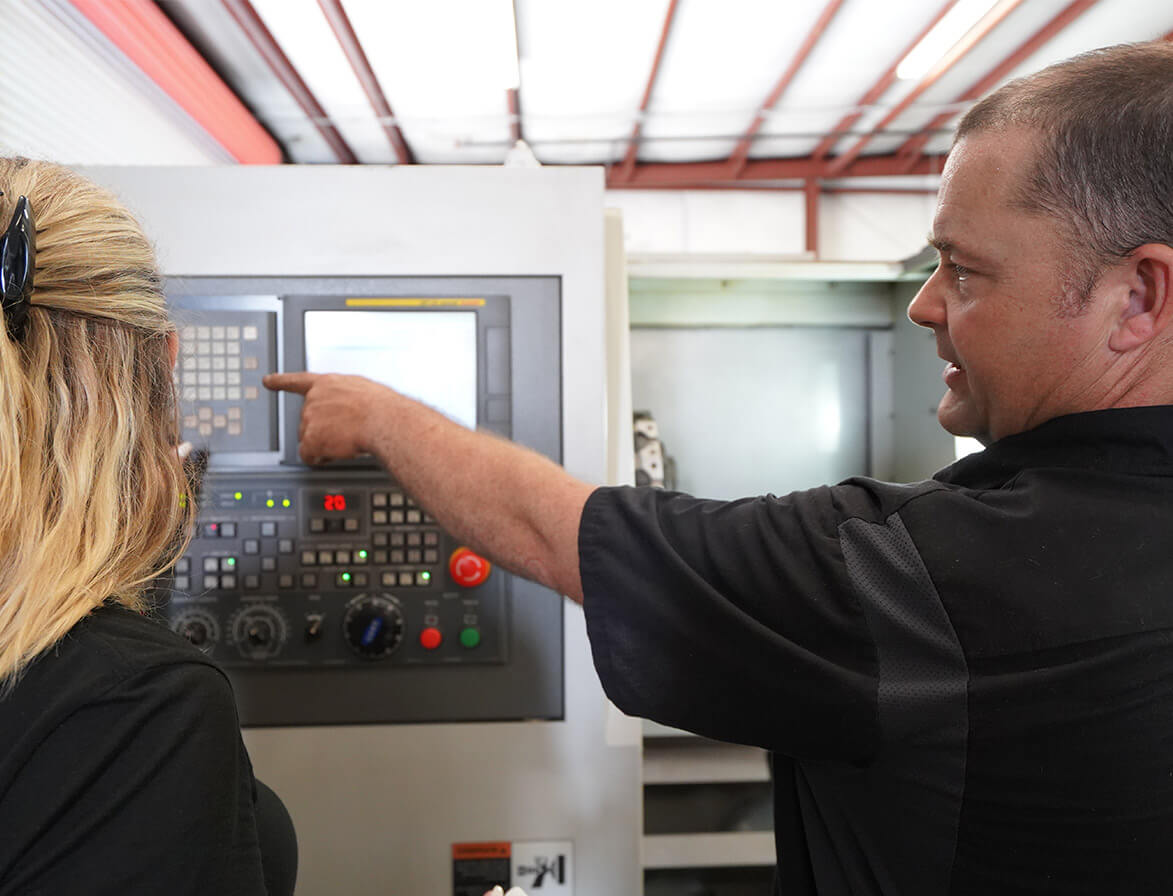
{"x": 927, "y": 308}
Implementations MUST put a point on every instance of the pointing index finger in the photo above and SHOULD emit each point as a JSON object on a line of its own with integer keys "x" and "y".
{"x": 290, "y": 382}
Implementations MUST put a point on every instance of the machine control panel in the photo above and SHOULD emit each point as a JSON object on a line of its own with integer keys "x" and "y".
{"x": 347, "y": 571}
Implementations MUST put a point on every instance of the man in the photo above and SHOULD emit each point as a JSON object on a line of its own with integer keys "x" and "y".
{"x": 966, "y": 683}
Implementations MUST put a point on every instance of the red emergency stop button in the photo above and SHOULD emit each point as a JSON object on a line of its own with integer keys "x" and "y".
{"x": 430, "y": 638}
{"x": 468, "y": 569}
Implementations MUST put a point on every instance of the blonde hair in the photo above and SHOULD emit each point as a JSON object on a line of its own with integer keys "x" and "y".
{"x": 95, "y": 503}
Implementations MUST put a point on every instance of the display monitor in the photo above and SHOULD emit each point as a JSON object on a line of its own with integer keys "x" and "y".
{"x": 428, "y": 355}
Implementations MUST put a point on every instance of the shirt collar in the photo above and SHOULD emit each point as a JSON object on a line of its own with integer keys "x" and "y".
{"x": 1123, "y": 440}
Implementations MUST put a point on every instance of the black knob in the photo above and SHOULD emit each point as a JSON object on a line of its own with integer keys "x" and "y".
{"x": 373, "y": 625}
{"x": 260, "y": 633}
{"x": 195, "y": 632}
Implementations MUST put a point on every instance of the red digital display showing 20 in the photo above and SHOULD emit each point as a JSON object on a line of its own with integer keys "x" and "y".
{"x": 334, "y": 502}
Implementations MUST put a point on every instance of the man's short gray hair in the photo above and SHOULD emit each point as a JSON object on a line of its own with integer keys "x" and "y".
{"x": 1104, "y": 164}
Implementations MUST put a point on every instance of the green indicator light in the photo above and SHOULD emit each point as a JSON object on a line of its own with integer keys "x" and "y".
{"x": 230, "y": 562}
{"x": 362, "y": 555}
{"x": 286, "y": 503}
{"x": 238, "y": 495}
{"x": 426, "y": 576}
{"x": 346, "y": 577}
{"x": 470, "y": 637}
{"x": 270, "y": 503}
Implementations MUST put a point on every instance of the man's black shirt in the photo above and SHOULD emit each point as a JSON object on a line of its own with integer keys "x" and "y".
{"x": 966, "y": 683}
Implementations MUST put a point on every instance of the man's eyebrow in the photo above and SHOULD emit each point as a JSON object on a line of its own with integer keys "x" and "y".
{"x": 942, "y": 246}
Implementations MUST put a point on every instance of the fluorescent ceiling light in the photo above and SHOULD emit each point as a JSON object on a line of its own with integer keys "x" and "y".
{"x": 941, "y": 39}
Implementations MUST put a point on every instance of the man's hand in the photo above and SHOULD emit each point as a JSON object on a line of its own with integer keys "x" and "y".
{"x": 336, "y": 415}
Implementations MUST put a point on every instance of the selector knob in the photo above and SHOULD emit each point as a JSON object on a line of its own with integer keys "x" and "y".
{"x": 199, "y": 628}
{"x": 259, "y": 632}
{"x": 468, "y": 569}
{"x": 373, "y": 625}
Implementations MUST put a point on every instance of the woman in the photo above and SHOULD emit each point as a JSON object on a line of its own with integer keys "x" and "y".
{"x": 122, "y": 769}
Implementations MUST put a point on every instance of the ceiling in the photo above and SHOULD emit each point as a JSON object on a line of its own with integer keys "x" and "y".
{"x": 665, "y": 93}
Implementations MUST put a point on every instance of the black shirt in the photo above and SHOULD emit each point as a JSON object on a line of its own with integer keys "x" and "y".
{"x": 122, "y": 770}
{"x": 967, "y": 683}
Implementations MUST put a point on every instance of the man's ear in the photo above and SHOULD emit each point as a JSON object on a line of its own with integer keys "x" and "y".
{"x": 1148, "y": 310}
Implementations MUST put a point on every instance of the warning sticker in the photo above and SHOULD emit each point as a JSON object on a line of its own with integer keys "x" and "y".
{"x": 478, "y": 867}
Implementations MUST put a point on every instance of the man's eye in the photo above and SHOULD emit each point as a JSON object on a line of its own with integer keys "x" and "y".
{"x": 960, "y": 271}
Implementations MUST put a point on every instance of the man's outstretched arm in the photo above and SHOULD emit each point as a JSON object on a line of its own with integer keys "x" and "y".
{"x": 506, "y": 502}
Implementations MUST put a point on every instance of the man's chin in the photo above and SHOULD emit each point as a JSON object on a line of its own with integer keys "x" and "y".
{"x": 958, "y": 419}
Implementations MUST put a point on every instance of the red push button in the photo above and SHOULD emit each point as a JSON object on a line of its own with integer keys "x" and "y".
{"x": 430, "y": 638}
{"x": 468, "y": 569}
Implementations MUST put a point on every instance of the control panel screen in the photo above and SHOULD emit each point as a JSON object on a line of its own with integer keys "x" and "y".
{"x": 428, "y": 355}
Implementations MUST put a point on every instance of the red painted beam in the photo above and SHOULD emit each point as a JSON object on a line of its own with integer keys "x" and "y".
{"x": 698, "y": 175}
{"x": 913, "y": 145}
{"x": 357, "y": 57}
{"x": 737, "y": 158}
{"x": 513, "y": 100}
{"x": 254, "y": 28}
{"x": 974, "y": 36}
{"x": 878, "y": 89}
{"x": 155, "y": 45}
{"x": 810, "y": 191}
{"x": 628, "y": 163}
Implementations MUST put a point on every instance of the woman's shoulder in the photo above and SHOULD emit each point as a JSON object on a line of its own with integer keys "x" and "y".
{"x": 111, "y": 646}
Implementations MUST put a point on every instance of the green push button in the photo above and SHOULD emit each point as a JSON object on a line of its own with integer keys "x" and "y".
{"x": 470, "y": 637}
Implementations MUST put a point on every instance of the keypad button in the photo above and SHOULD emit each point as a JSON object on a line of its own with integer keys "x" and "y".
{"x": 431, "y": 556}
{"x": 361, "y": 579}
{"x": 414, "y": 539}
{"x": 397, "y": 499}
{"x": 431, "y": 539}
{"x": 414, "y": 517}
{"x": 252, "y": 546}
{"x": 414, "y": 557}
{"x": 211, "y": 564}
{"x": 342, "y": 558}
{"x": 397, "y": 558}
{"x": 227, "y": 564}
{"x": 379, "y": 517}
{"x": 351, "y": 524}
{"x": 360, "y": 557}
{"x": 211, "y": 583}
{"x": 182, "y": 583}
{"x": 308, "y": 558}
{"x": 388, "y": 579}
{"x": 423, "y": 578}
{"x": 342, "y": 580}
{"x": 380, "y": 558}
{"x": 379, "y": 499}
{"x": 285, "y": 581}
{"x": 227, "y": 582}
{"x": 228, "y": 530}
{"x": 317, "y": 524}
{"x": 396, "y": 539}
{"x": 285, "y": 546}
{"x": 183, "y": 564}
{"x": 309, "y": 580}
{"x": 325, "y": 558}
{"x": 269, "y": 530}
{"x": 396, "y": 517}
{"x": 379, "y": 539}
{"x": 269, "y": 564}
{"x": 252, "y": 582}
{"x": 405, "y": 579}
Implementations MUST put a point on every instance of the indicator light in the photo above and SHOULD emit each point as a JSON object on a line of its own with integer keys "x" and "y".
{"x": 286, "y": 503}
{"x": 270, "y": 503}
{"x": 362, "y": 555}
{"x": 238, "y": 495}
{"x": 346, "y": 577}
{"x": 230, "y": 562}
{"x": 426, "y": 576}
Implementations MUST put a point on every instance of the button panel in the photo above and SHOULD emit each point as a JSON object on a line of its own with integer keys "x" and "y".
{"x": 280, "y": 542}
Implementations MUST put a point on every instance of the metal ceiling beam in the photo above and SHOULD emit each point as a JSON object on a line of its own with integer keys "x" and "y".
{"x": 254, "y": 28}
{"x": 740, "y": 154}
{"x": 700, "y": 175}
{"x": 877, "y": 90}
{"x": 913, "y": 146}
{"x": 513, "y": 100}
{"x": 971, "y": 38}
{"x": 357, "y": 57}
{"x": 810, "y": 194}
{"x": 148, "y": 38}
{"x": 627, "y": 166}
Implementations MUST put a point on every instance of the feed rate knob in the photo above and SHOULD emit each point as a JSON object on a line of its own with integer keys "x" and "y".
{"x": 373, "y": 625}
